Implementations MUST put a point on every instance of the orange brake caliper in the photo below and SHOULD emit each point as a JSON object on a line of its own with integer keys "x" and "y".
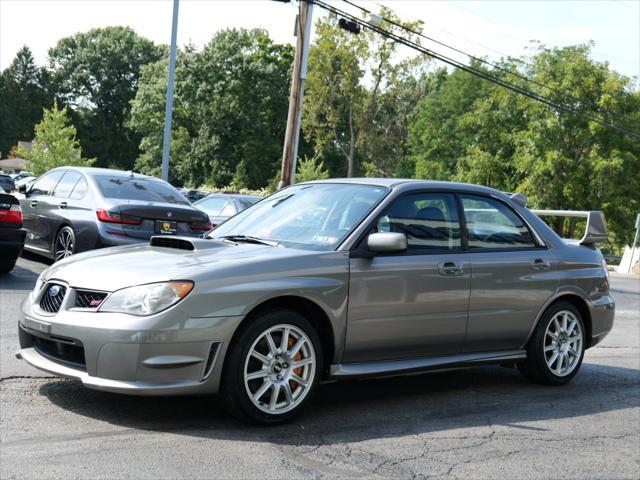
{"x": 296, "y": 357}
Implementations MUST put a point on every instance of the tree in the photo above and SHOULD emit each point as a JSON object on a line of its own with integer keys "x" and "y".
{"x": 358, "y": 98}
{"x": 310, "y": 169}
{"x": 55, "y": 143}
{"x": 474, "y": 131}
{"x": 230, "y": 109}
{"x": 24, "y": 92}
{"x": 96, "y": 73}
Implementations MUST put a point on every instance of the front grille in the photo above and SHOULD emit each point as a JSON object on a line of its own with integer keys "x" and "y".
{"x": 88, "y": 299}
{"x": 65, "y": 351}
{"x": 52, "y": 297}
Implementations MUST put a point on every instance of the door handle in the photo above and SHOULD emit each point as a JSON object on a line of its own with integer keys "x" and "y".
{"x": 540, "y": 264}
{"x": 63, "y": 205}
{"x": 33, "y": 203}
{"x": 450, "y": 268}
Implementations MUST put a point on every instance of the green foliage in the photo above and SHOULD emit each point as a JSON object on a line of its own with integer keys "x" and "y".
{"x": 310, "y": 169}
{"x": 55, "y": 143}
{"x": 359, "y": 100}
{"x": 96, "y": 73}
{"x": 24, "y": 92}
{"x": 230, "y": 109}
{"x": 476, "y": 132}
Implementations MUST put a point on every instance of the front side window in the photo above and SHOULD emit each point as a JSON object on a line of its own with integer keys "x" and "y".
{"x": 493, "y": 225}
{"x": 309, "y": 216}
{"x": 429, "y": 220}
{"x": 45, "y": 184}
{"x": 142, "y": 189}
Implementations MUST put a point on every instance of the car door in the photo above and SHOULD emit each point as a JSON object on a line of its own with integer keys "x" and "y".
{"x": 411, "y": 304}
{"x": 36, "y": 224}
{"x": 512, "y": 275}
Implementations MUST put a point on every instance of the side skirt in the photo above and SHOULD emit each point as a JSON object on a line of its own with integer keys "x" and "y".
{"x": 396, "y": 367}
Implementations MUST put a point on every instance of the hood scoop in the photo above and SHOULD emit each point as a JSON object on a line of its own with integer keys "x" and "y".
{"x": 183, "y": 243}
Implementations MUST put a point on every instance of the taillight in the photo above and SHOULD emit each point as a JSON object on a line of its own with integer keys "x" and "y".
{"x": 201, "y": 226}
{"x": 11, "y": 215}
{"x": 115, "y": 217}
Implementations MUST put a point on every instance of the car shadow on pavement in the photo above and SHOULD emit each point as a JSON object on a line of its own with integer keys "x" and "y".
{"x": 371, "y": 409}
{"x": 21, "y": 278}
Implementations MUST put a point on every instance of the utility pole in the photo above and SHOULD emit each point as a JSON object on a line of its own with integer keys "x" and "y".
{"x": 169, "y": 102}
{"x": 294, "y": 117}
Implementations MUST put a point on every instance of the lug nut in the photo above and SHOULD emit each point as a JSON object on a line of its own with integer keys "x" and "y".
{"x": 279, "y": 377}
{"x": 285, "y": 365}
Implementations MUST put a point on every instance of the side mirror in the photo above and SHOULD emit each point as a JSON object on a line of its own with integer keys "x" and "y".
{"x": 22, "y": 189}
{"x": 387, "y": 242}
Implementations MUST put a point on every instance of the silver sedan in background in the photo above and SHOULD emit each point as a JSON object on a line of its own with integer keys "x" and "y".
{"x": 335, "y": 279}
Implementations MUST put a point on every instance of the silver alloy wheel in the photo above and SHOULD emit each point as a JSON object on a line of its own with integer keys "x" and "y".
{"x": 279, "y": 369}
{"x": 64, "y": 244}
{"x": 563, "y": 342}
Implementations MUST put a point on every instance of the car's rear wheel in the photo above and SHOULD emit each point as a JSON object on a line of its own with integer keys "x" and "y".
{"x": 64, "y": 244}
{"x": 273, "y": 368}
{"x": 7, "y": 265}
{"x": 556, "y": 350}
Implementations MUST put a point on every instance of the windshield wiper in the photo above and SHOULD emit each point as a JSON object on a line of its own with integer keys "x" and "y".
{"x": 249, "y": 239}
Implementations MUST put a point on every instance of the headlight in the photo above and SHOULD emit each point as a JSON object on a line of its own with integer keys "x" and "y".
{"x": 147, "y": 299}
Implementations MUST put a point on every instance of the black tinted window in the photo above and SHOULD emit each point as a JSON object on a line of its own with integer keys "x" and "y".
{"x": 45, "y": 184}
{"x": 66, "y": 184}
{"x": 491, "y": 224}
{"x": 143, "y": 189}
{"x": 429, "y": 220}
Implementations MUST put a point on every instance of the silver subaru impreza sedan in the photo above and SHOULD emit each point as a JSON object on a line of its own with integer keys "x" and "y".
{"x": 334, "y": 279}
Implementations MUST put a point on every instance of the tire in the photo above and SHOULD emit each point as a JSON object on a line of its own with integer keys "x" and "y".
{"x": 556, "y": 362}
{"x": 7, "y": 265}
{"x": 256, "y": 368}
{"x": 64, "y": 244}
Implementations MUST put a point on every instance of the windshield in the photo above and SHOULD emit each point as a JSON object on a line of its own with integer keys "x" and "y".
{"x": 313, "y": 216}
{"x": 146, "y": 190}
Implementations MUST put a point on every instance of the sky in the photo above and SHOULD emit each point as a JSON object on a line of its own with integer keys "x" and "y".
{"x": 488, "y": 28}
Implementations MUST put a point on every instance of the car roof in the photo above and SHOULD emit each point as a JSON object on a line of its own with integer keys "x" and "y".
{"x": 91, "y": 171}
{"x": 411, "y": 183}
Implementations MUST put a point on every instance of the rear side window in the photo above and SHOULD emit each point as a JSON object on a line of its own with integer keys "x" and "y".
{"x": 80, "y": 189}
{"x": 213, "y": 206}
{"x": 143, "y": 189}
{"x": 66, "y": 184}
{"x": 45, "y": 184}
{"x": 429, "y": 220}
{"x": 493, "y": 225}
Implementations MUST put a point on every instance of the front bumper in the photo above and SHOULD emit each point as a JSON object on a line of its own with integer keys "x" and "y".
{"x": 164, "y": 354}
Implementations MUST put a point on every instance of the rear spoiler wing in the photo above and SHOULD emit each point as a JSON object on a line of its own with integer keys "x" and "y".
{"x": 595, "y": 231}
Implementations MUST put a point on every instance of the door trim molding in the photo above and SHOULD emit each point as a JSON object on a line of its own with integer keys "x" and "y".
{"x": 396, "y": 367}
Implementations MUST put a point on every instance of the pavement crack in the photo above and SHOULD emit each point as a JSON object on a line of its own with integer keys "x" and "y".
{"x": 27, "y": 377}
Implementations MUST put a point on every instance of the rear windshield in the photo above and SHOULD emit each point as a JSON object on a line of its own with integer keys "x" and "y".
{"x": 143, "y": 189}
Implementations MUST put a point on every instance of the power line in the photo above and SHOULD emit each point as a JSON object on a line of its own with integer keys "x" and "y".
{"x": 474, "y": 71}
{"x": 601, "y": 109}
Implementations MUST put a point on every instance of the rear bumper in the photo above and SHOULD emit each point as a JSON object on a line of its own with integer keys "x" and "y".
{"x": 602, "y": 314}
{"x": 11, "y": 242}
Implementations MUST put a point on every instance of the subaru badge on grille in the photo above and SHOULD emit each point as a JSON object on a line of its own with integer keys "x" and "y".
{"x": 54, "y": 290}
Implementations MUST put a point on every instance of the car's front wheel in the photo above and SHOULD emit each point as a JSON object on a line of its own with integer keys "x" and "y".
{"x": 556, "y": 350}
{"x": 273, "y": 368}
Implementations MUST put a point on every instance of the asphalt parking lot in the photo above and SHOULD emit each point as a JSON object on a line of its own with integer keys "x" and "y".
{"x": 485, "y": 423}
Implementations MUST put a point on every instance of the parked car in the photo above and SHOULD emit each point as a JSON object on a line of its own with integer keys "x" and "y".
{"x": 11, "y": 232}
{"x": 7, "y": 183}
{"x": 20, "y": 176}
{"x": 221, "y": 206}
{"x": 25, "y": 181}
{"x": 71, "y": 209}
{"x": 334, "y": 279}
{"x": 193, "y": 195}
